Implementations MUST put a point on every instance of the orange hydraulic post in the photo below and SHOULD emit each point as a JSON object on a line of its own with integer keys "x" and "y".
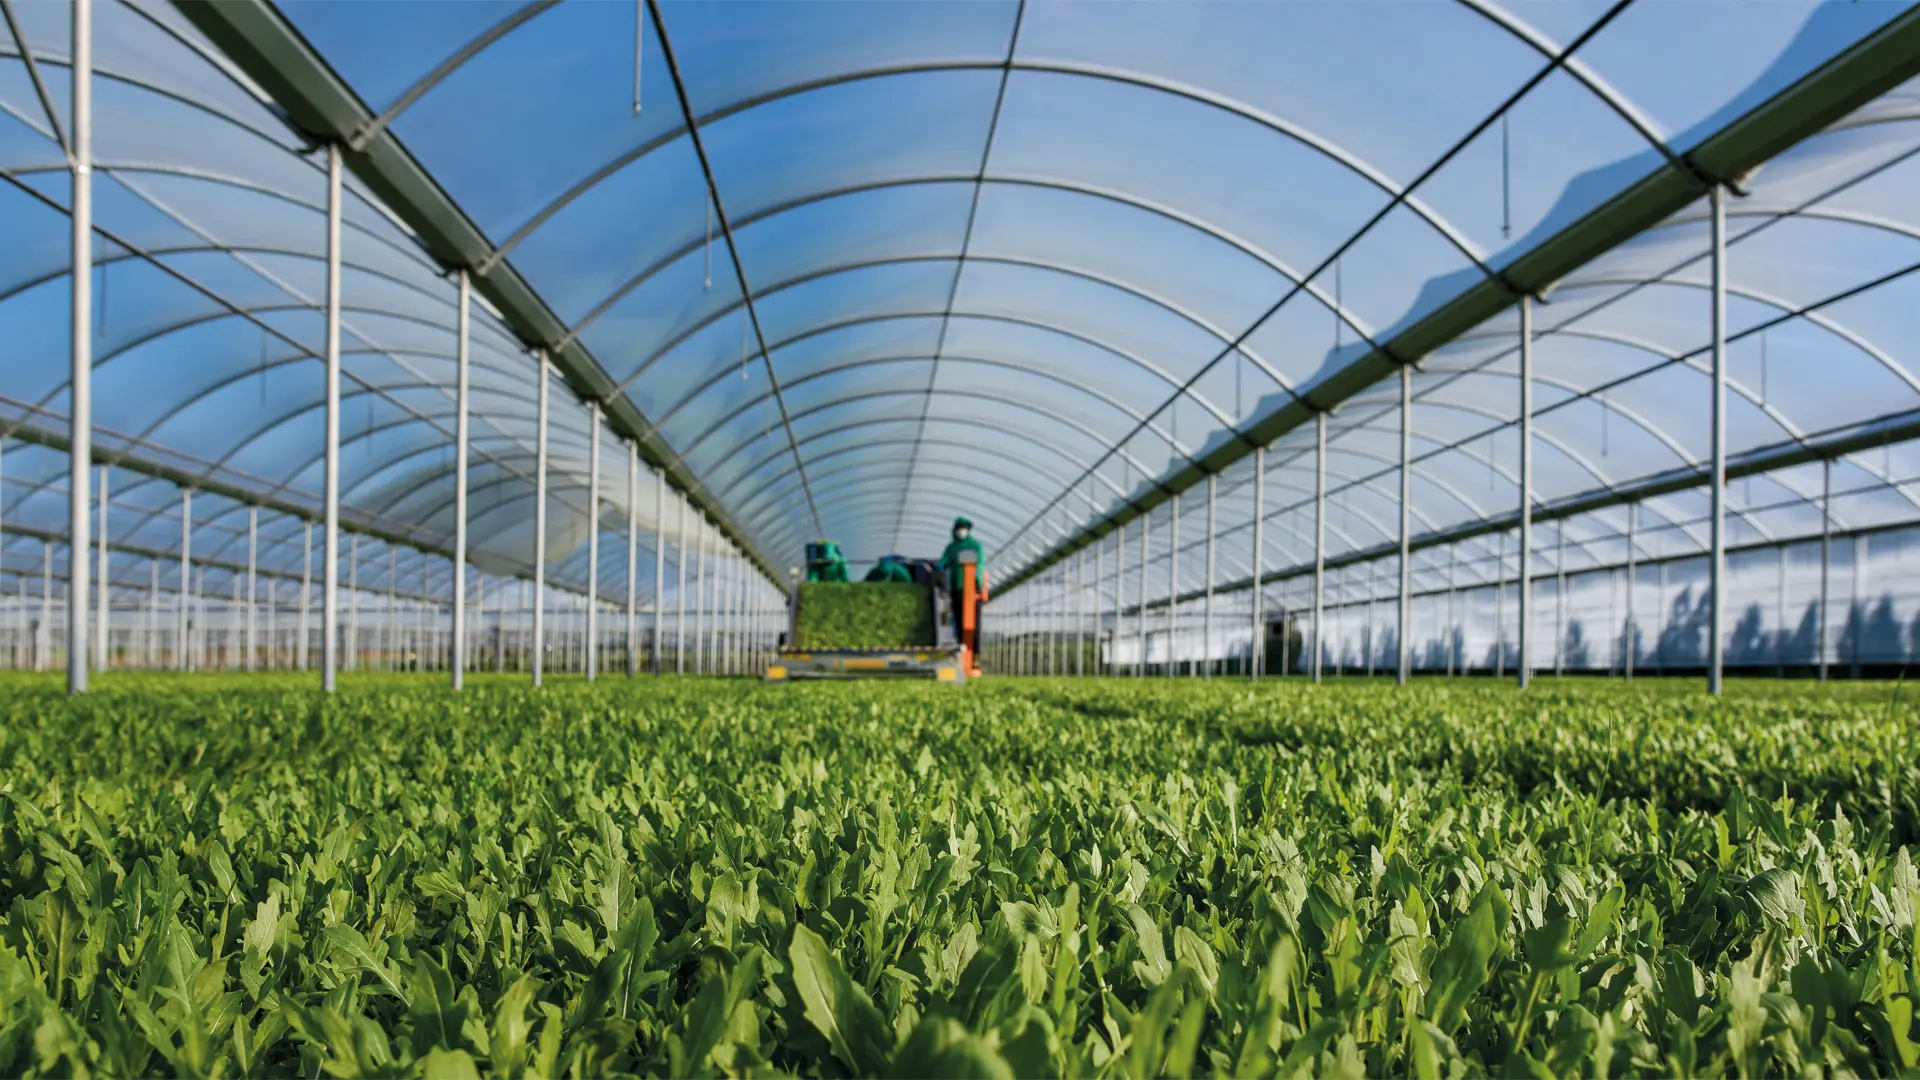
{"x": 970, "y": 617}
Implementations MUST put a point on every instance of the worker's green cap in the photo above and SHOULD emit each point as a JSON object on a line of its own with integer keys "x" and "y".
{"x": 961, "y": 522}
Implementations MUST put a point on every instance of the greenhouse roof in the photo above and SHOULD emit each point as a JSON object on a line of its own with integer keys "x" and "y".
{"x": 845, "y": 269}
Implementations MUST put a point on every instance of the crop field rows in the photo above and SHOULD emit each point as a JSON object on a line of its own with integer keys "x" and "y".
{"x": 1020, "y": 878}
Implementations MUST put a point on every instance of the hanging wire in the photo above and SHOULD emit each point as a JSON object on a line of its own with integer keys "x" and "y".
{"x": 743, "y": 342}
{"x": 263, "y": 367}
{"x": 640, "y": 39}
{"x": 1604, "y": 414}
{"x": 1506, "y": 180}
{"x": 706, "y": 204}
{"x": 1763, "y": 367}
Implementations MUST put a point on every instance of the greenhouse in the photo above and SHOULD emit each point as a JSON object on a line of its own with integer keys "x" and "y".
{"x": 959, "y": 537}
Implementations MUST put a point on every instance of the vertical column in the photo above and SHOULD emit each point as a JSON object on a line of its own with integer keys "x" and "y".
{"x": 1255, "y": 658}
{"x": 152, "y": 650}
{"x": 680, "y": 594}
{"x": 540, "y": 524}
{"x": 1524, "y": 663}
{"x": 1452, "y": 643}
{"x": 1119, "y": 586}
{"x": 80, "y": 433}
{"x": 1140, "y": 616}
{"x": 593, "y": 540}
{"x": 1405, "y": 629}
{"x": 659, "y": 563}
{"x": 1099, "y": 584}
{"x": 306, "y": 589}
{"x": 461, "y": 436}
{"x": 1629, "y": 631}
{"x": 186, "y": 577}
{"x": 101, "y": 608}
{"x": 1079, "y": 612}
{"x": 1173, "y": 580}
{"x": 633, "y": 558}
{"x": 1500, "y": 609}
{"x": 1826, "y": 558}
{"x": 1319, "y": 538}
{"x": 1206, "y": 604}
{"x": 330, "y": 542}
{"x": 253, "y": 596}
{"x": 1717, "y": 557}
{"x": 1559, "y": 597}
{"x": 1780, "y": 618}
{"x": 389, "y": 635}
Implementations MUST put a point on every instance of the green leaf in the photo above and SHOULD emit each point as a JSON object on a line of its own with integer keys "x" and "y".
{"x": 1462, "y": 967}
{"x": 834, "y": 1006}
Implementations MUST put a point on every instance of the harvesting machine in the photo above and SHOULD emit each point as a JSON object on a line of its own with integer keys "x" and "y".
{"x": 945, "y": 633}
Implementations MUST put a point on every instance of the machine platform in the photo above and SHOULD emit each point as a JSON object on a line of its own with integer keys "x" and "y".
{"x": 941, "y": 663}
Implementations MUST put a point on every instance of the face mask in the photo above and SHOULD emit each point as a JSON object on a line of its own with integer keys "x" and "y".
{"x": 959, "y": 534}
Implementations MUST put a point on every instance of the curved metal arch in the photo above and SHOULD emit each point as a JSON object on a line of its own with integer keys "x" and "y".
{"x": 857, "y": 470}
{"x": 851, "y": 498}
{"x": 996, "y": 399}
{"x": 372, "y": 128}
{"x": 1035, "y": 264}
{"x": 864, "y": 320}
{"x": 953, "y": 444}
{"x": 1557, "y": 443}
{"x": 843, "y": 324}
{"x": 766, "y": 485}
{"x": 1577, "y": 394}
{"x": 1594, "y": 84}
{"x": 1789, "y": 312}
{"x": 753, "y": 473}
{"x": 304, "y": 408}
{"x": 1669, "y": 359}
{"x": 1338, "y": 155}
{"x": 1245, "y": 247}
{"x": 238, "y": 377}
{"x": 880, "y": 487}
{"x": 856, "y": 365}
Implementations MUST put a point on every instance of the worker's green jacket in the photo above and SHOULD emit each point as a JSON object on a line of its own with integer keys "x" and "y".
{"x": 950, "y": 562}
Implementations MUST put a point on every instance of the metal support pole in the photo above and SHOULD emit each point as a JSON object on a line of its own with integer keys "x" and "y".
{"x": 1630, "y": 631}
{"x": 330, "y": 541}
{"x": 1559, "y": 597}
{"x": 186, "y": 576}
{"x": 1405, "y": 629}
{"x": 1140, "y": 618}
{"x": 1119, "y": 579}
{"x": 306, "y": 591}
{"x": 1523, "y": 666}
{"x": 80, "y": 391}
{"x": 540, "y": 522}
{"x": 633, "y": 559}
{"x": 1717, "y": 557}
{"x": 253, "y": 596}
{"x": 1500, "y": 609}
{"x": 659, "y": 562}
{"x": 1206, "y": 603}
{"x": 353, "y": 596}
{"x": 1080, "y": 612}
{"x": 1173, "y": 579}
{"x": 593, "y": 540}
{"x": 1826, "y": 556}
{"x": 102, "y": 609}
{"x": 1319, "y": 538}
{"x": 680, "y": 595}
{"x": 391, "y": 631}
{"x": 1256, "y": 659}
{"x": 461, "y": 436}
{"x": 1099, "y": 585}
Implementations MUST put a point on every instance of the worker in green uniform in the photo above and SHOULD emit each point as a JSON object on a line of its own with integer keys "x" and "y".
{"x": 950, "y": 562}
{"x": 824, "y": 562}
{"x": 891, "y": 569}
